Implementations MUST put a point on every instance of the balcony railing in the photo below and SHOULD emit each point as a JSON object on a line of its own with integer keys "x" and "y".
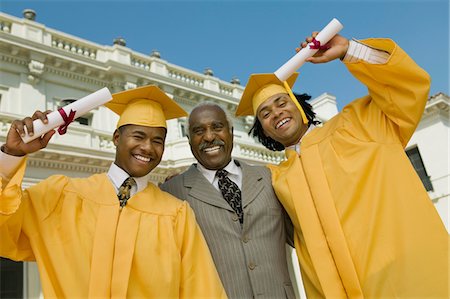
{"x": 184, "y": 76}
{"x": 5, "y": 26}
{"x": 74, "y": 47}
{"x": 55, "y": 39}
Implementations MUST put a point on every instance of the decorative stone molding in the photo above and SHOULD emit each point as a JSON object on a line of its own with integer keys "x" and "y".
{"x": 73, "y": 47}
{"x": 129, "y": 85}
{"x": 120, "y": 41}
{"x": 186, "y": 78}
{"x": 60, "y": 161}
{"x": 14, "y": 60}
{"x": 235, "y": 81}
{"x": 58, "y": 62}
{"x": 155, "y": 53}
{"x": 226, "y": 91}
{"x": 140, "y": 63}
{"x": 36, "y": 69}
{"x": 59, "y": 70}
{"x": 186, "y": 101}
{"x": 248, "y": 122}
{"x": 5, "y": 124}
{"x": 106, "y": 143}
{"x": 5, "y": 26}
{"x": 438, "y": 106}
{"x": 29, "y": 14}
{"x": 208, "y": 72}
{"x": 72, "y": 67}
{"x": 15, "y": 51}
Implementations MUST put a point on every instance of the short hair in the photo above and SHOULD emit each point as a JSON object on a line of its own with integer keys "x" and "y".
{"x": 273, "y": 145}
{"x": 208, "y": 104}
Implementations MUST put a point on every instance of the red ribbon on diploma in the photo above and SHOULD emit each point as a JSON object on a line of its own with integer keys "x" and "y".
{"x": 316, "y": 45}
{"x": 67, "y": 120}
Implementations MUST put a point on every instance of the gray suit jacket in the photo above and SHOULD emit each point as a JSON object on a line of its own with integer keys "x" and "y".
{"x": 251, "y": 261}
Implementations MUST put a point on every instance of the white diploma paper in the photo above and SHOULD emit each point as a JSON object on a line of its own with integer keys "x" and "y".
{"x": 324, "y": 36}
{"x": 81, "y": 106}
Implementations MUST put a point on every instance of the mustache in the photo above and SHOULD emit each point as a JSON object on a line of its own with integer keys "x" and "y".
{"x": 204, "y": 145}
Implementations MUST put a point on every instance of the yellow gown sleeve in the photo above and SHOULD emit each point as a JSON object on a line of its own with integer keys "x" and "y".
{"x": 21, "y": 212}
{"x": 399, "y": 89}
{"x": 14, "y": 242}
{"x": 199, "y": 277}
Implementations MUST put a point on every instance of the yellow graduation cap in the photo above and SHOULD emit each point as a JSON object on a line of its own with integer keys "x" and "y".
{"x": 260, "y": 87}
{"x": 144, "y": 106}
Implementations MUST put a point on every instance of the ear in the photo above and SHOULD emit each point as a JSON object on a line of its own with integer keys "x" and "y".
{"x": 116, "y": 137}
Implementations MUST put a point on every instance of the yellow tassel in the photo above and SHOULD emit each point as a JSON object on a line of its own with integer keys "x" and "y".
{"x": 291, "y": 95}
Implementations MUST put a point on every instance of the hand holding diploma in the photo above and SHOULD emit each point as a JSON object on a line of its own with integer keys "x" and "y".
{"x": 33, "y": 133}
{"x": 320, "y": 43}
{"x": 334, "y": 49}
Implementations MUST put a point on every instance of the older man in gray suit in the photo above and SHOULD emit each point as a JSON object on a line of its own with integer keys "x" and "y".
{"x": 246, "y": 230}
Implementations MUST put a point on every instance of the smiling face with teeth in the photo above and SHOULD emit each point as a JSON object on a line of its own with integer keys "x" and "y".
{"x": 210, "y": 136}
{"x": 139, "y": 149}
{"x": 281, "y": 120}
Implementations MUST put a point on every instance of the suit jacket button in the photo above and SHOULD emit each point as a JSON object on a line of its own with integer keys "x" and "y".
{"x": 235, "y": 218}
{"x": 245, "y": 239}
{"x": 251, "y": 266}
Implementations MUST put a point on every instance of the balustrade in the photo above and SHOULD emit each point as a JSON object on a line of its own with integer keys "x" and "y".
{"x": 73, "y": 47}
{"x": 185, "y": 77}
{"x": 5, "y": 26}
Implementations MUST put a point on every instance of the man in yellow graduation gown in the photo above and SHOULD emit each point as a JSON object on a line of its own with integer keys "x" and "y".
{"x": 86, "y": 241}
{"x": 365, "y": 226}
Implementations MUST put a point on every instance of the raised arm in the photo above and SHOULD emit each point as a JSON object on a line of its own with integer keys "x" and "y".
{"x": 399, "y": 87}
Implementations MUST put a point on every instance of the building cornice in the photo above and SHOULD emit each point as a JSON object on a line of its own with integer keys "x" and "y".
{"x": 37, "y": 37}
{"x": 438, "y": 104}
{"x": 65, "y": 162}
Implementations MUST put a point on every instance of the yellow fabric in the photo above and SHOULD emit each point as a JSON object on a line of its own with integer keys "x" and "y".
{"x": 266, "y": 92}
{"x": 258, "y": 89}
{"x": 365, "y": 226}
{"x": 86, "y": 246}
{"x": 295, "y": 101}
{"x": 144, "y": 106}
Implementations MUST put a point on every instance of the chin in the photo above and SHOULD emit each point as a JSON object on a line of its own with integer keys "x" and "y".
{"x": 141, "y": 173}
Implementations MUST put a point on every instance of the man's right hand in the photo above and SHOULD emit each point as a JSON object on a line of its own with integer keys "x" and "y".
{"x": 335, "y": 48}
{"x": 14, "y": 144}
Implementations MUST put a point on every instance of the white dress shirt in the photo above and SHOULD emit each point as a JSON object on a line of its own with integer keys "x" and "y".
{"x": 234, "y": 173}
{"x": 117, "y": 176}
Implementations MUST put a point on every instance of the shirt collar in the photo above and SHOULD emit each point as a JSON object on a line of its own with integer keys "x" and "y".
{"x": 296, "y": 147}
{"x": 209, "y": 174}
{"x": 118, "y": 176}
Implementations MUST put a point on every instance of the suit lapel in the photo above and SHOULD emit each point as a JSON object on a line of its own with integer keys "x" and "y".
{"x": 252, "y": 184}
{"x": 201, "y": 189}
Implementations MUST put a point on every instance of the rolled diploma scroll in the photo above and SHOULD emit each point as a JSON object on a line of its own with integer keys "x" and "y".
{"x": 324, "y": 36}
{"x": 80, "y": 107}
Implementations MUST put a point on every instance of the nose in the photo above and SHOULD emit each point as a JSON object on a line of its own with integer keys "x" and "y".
{"x": 146, "y": 146}
{"x": 209, "y": 135}
{"x": 277, "y": 112}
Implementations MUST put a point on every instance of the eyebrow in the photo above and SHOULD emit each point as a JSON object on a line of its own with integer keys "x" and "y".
{"x": 138, "y": 132}
{"x": 275, "y": 101}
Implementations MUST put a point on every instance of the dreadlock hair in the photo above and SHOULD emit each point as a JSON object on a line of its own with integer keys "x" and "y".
{"x": 273, "y": 145}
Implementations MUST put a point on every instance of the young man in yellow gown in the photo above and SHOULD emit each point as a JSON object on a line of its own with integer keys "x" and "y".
{"x": 86, "y": 241}
{"x": 365, "y": 226}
